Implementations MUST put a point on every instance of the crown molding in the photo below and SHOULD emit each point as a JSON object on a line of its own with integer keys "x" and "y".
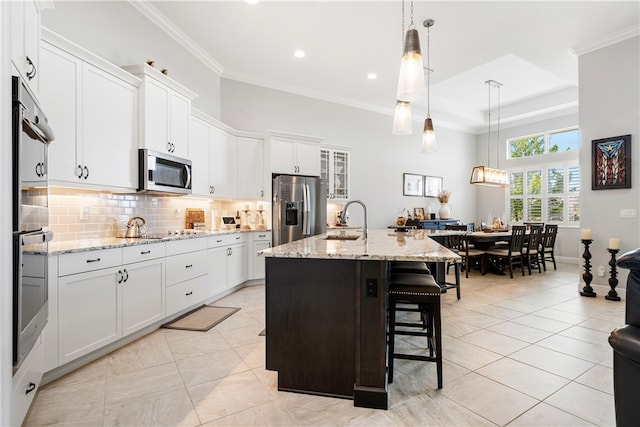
{"x": 159, "y": 19}
{"x": 611, "y": 39}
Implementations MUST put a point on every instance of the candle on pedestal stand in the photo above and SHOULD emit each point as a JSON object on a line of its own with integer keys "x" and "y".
{"x": 260, "y": 225}
{"x": 587, "y": 291}
{"x": 245, "y": 222}
{"x": 613, "y": 280}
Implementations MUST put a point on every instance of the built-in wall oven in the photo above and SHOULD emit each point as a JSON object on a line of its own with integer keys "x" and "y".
{"x": 31, "y": 136}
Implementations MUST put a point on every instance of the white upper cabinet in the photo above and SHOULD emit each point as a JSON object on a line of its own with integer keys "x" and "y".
{"x": 91, "y": 106}
{"x": 294, "y": 154}
{"x": 165, "y": 111}
{"x": 224, "y": 167}
{"x": 199, "y": 147}
{"x": 250, "y": 168}
{"x": 334, "y": 168}
{"x": 25, "y": 40}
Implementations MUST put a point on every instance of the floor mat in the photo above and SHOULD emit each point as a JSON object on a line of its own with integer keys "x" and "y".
{"x": 201, "y": 319}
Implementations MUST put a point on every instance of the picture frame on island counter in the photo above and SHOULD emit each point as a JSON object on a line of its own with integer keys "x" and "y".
{"x": 432, "y": 186}
{"x": 412, "y": 185}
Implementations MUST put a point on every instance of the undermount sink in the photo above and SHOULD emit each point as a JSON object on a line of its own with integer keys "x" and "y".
{"x": 342, "y": 237}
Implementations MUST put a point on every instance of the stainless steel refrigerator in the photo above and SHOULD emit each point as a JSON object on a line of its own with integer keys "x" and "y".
{"x": 299, "y": 208}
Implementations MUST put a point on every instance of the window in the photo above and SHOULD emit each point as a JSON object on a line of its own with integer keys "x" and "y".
{"x": 545, "y": 193}
{"x": 543, "y": 143}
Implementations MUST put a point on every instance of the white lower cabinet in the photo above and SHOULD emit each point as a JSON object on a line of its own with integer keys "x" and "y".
{"x": 26, "y": 382}
{"x": 142, "y": 295}
{"x": 227, "y": 262}
{"x": 107, "y": 294}
{"x": 89, "y": 311}
{"x": 186, "y": 266}
{"x": 260, "y": 241}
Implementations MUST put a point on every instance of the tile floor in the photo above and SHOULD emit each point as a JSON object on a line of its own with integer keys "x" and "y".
{"x": 523, "y": 352}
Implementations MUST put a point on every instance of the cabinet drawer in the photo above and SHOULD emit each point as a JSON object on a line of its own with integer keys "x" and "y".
{"x": 227, "y": 239}
{"x": 139, "y": 253}
{"x": 185, "y": 294}
{"x": 181, "y": 246}
{"x": 262, "y": 236}
{"x": 26, "y": 383}
{"x": 186, "y": 266}
{"x": 88, "y": 261}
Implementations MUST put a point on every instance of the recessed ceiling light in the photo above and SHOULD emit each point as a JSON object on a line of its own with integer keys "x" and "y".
{"x": 372, "y": 76}
{"x": 299, "y": 53}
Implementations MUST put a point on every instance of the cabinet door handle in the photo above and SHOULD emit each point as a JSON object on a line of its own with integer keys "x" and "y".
{"x": 120, "y": 276}
{"x": 127, "y": 275}
{"x": 31, "y": 387}
{"x": 214, "y": 189}
{"x": 261, "y": 193}
{"x": 219, "y": 240}
{"x": 168, "y": 146}
{"x": 269, "y": 244}
{"x": 80, "y": 171}
{"x": 86, "y": 172}
{"x": 238, "y": 238}
{"x": 93, "y": 260}
{"x": 230, "y": 251}
{"x": 145, "y": 252}
{"x": 189, "y": 293}
{"x": 31, "y": 73}
{"x": 188, "y": 266}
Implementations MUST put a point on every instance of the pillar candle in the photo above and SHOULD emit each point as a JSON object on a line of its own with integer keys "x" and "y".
{"x": 614, "y": 243}
{"x": 585, "y": 233}
{"x": 246, "y": 207}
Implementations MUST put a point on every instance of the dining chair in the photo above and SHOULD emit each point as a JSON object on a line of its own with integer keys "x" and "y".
{"x": 532, "y": 250}
{"x": 455, "y": 243}
{"x": 547, "y": 245}
{"x": 513, "y": 252}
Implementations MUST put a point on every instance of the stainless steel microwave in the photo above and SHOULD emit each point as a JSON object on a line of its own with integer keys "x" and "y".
{"x": 162, "y": 173}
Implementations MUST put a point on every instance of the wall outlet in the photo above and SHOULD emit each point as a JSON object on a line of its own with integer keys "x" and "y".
{"x": 84, "y": 213}
{"x": 372, "y": 288}
{"x": 628, "y": 213}
{"x": 601, "y": 270}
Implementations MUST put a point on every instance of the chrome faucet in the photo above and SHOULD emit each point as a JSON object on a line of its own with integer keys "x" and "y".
{"x": 343, "y": 220}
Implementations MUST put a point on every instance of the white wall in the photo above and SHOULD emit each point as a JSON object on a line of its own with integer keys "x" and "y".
{"x": 610, "y": 106}
{"x": 117, "y": 32}
{"x": 378, "y": 158}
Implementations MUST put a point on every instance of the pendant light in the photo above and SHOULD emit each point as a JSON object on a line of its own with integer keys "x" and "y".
{"x": 402, "y": 120}
{"x": 484, "y": 175}
{"x": 428, "y": 135}
{"x": 411, "y": 85}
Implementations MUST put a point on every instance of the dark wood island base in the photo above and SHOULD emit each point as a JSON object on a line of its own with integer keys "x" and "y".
{"x": 326, "y": 327}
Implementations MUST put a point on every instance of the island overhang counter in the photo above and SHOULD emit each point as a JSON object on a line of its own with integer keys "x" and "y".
{"x": 326, "y": 311}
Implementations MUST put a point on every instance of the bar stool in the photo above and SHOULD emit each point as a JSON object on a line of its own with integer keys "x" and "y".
{"x": 423, "y": 290}
{"x": 416, "y": 267}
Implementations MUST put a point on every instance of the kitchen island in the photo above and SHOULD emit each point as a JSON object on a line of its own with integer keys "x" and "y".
{"x": 326, "y": 310}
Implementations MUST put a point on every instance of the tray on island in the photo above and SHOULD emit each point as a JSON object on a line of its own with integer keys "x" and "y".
{"x": 495, "y": 230}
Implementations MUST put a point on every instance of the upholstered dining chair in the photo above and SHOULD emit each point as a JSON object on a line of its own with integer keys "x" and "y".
{"x": 460, "y": 244}
{"x": 513, "y": 254}
{"x": 547, "y": 245}
{"x": 532, "y": 249}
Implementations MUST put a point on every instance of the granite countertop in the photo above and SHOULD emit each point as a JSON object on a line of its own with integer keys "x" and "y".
{"x": 414, "y": 245}
{"x": 71, "y": 246}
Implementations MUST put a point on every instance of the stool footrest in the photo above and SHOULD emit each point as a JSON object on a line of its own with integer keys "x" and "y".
{"x": 415, "y": 357}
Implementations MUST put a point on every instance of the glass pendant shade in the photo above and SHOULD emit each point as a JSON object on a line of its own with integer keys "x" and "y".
{"x": 402, "y": 123}
{"x": 481, "y": 175}
{"x": 429, "y": 144}
{"x": 411, "y": 85}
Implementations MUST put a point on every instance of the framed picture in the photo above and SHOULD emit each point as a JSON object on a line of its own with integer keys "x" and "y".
{"x": 412, "y": 185}
{"x": 611, "y": 163}
{"x": 432, "y": 186}
{"x": 418, "y": 213}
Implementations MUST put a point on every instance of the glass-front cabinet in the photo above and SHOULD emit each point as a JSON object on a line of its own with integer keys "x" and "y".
{"x": 334, "y": 168}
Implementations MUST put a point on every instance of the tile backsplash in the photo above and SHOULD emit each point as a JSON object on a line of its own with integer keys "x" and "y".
{"x": 83, "y": 214}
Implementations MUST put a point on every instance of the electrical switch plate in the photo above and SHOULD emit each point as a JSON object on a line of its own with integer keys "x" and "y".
{"x": 177, "y": 213}
{"x": 601, "y": 270}
{"x": 628, "y": 213}
{"x": 372, "y": 288}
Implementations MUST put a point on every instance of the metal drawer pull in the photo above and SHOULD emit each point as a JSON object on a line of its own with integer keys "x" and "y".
{"x": 189, "y": 293}
{"x": 188, "y": 266}
{"x": 31, "y": 387}
{"x": 94, "y": 260}
{"x": 145, "y": 252}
